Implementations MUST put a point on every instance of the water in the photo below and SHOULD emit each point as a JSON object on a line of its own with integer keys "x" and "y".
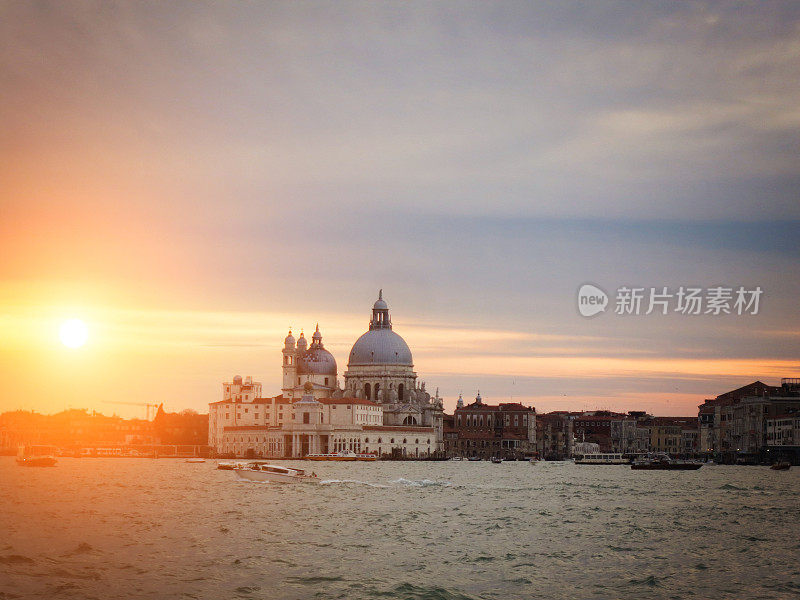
{"x": 140, "y": 528}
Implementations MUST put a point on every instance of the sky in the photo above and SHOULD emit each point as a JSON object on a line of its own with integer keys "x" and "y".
{"x": 191, "y": 179}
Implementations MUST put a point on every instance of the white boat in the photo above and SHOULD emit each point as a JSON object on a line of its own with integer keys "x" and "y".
{"x": 602, "y": 459}
{"x": 274, "y": 473}
{"x": 456, "y": 458}
{"x": 195, "y": 460}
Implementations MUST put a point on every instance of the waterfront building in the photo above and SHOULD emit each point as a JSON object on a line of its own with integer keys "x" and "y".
{"x": 674, "y": 435}
{"x": 554, "y": 435}
{"x": 486, "y": 430}
{"x": 382, "y": 408}
{"x": 735, "y": 426}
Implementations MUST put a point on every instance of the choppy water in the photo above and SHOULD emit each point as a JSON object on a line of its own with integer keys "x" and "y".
{"x": 140, "y": 528}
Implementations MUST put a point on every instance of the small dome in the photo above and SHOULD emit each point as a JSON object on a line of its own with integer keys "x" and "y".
{"x": 289, "y": 340}
{"x": 316, "y": 361}
{"x": 237, "y": 379}
{"x": 380, "y": 347}
{"x": 317, "y": 337}
{"x": 302, "y": 343}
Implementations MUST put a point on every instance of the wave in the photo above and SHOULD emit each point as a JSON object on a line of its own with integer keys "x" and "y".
{"x": 15, "y": 559}
{"x": 408, "y": 591}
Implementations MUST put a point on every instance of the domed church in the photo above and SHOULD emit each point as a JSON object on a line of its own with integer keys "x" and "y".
{"x": 382, "y": 408}
{"x": 380, "y": 368}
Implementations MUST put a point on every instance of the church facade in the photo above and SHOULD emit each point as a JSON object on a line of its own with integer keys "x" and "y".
{"x": 381, "y": 409}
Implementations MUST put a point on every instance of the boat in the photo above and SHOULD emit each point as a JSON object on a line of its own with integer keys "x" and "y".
{"x": 602, "y": 459}
{"x": 664, "y": 462}
{"x": 474, "y": 459}
{"x": 257, "y": 471}
{"x": 781, "y": 466}
{"x": 496, "y": 460}
{"x": 456, "y": 458}
{"x": 228, "y": 466}
{"x": 195, "y": 460}
{"x": 36, "y": 456}
{"x": 343, "y": 455}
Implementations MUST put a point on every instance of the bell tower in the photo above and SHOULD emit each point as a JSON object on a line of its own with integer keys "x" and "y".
{"x": 289, "y": 362}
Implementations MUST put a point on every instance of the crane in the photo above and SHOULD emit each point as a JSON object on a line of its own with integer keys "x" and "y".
{"x": 147, "y": 406}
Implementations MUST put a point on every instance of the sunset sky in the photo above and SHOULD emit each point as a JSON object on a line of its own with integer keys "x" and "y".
{"x": 193, "y": 178}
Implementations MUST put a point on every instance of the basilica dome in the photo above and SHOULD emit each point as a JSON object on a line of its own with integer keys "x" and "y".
{"x": 316, "y": 360}
{"x": 380, "y": 345}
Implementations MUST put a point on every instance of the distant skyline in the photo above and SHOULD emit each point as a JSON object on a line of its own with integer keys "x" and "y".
{"x": 193, "y": 178}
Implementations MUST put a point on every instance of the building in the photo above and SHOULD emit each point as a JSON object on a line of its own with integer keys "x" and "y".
{"x": 484, "y": 430}
{"x": 186, "y": 428}
{"x": 381, "y": 409}
{"x": 741, "y": 425}
{"x": 554, "y": 435}
{"x": 674, "y": 435}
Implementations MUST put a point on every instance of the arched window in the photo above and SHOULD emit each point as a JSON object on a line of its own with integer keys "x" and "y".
{"x": 377, "y": 389}
{"x": 409, "y": 420}
{"x": 400, "y": 392}
{"x": 391, "y": 441}
{"x": 367, "y": 391}
{"x": 380, "y": 441}
{"x": 404, "y": 440}
{"x": 366, "y": 440}
{"x": 417, "y": 441}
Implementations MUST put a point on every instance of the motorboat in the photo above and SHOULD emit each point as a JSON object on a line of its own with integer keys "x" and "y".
{"x": 474, "y": 459}
{"x": 36, "y": 456}
{"x": 496, "y": 460}
{"x": 342, "y": 455}
{"x": 195, "y": 460}
{"x": 257, "y": 471}
{"x": 781, "y": 466}
{"x": 662, "y": 461}
{"x": 228, "y": 466}
{"x": 602, "y": 459}
{"x": 456, "y": 458}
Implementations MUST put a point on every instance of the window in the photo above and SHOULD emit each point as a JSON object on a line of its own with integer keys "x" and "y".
{"x": 306, "y": 417}
{"x": 326, "y": 381}
{"x": 367, "y": 391}
{"x": 245, "y": 410}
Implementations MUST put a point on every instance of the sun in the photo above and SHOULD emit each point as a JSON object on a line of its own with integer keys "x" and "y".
{"x": 73, "y": 333}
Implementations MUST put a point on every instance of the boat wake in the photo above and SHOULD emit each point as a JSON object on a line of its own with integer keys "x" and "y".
{"x": 421, "y": 482}
{"x": 352, "y": 482}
